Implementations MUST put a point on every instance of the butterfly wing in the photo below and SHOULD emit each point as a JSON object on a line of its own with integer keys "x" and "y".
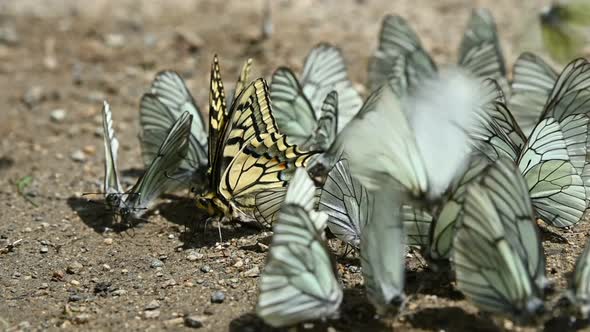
{"x": 111, "y": 145}
{"x": 327, "y": 127}
{"x": 396, "y": 39}
{"x": 292, "y": 110}
{"x": 324, "y": 71}
{"x": 243, "y": 80}
{"x": 489, "y": 269}
{"x": 417, "y": 223}
{"x": 218, "y": 115}
{"x": 298, "y": 282}
{"x": 480, "y": 51}
{"x": 532, "y": 82}
{"x": 383, "y": 252}
{"x": 157, "y": 177}
{"x": 347, "y": 203}
{"x": 580, "y": 283}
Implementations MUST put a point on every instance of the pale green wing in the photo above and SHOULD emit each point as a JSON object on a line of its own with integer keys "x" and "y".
{"x": 157, "y": 177}
{"x": 347, "y": 204}
{"x": 497, "y": 253}
{"x": 532, "y": 82}
{"x": 580, "y": 283}
{"x": 325, "y": 71}
{"x": 556, "y": 189}
{"x": 327, "y": 128}
{"x": 383, "y": 252}
{"x": 292, "y": 110}
{"x": 397, "y": 38}
{"x": 112, "y": 185}
{"x": 298, "y": 282}
{"x": 417, "y": 224}
{"x": 480, "y": 51}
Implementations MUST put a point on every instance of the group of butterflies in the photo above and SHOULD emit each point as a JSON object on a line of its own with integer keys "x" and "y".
{"x": 305, "y": 155}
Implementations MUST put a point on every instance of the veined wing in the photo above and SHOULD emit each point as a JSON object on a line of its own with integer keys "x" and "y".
{"x": 242, "y": 80}
{"x": 480, "y": 51}
{"x": 298, "y": 282}
{"x": 292, "y": 110}
{"x": 532, "y": 82}
{"x": 325, "y": 71}
{"x": 218, "y": 116}
{"x": 397, "y": 38}
{"x": 111, "y": 145}
{"x": 266, "y": 163}
{"x": 571, "y": 93}
{"x": 327, "y": 127}
{"x": 417, "y": 224}
{"x": 347, "y": 203}
{"x": 157, "y": 177}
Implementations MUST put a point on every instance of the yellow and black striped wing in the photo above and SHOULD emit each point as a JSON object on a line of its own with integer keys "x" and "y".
{"x": 266, "y": 163}
{"x": 217, "y": 111}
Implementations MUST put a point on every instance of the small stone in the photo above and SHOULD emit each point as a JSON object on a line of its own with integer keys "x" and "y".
{"x": 209, "y": 311}
{"x": 205, "y": 269}
{"x": 171, "y": 236}
{"x": 156, "y": 263}
{"x": 102, "y": 288}
{"x": 124, "y": 271}
{"x": 44, "y": 286}
{"x": 57, "y": 275}
{"x": 169, "y": 283}
{"x": 74, "y": 267}
{"x": 28, "y": 230}
{"x": 253, "y": 272}
{"x": 239, "y": 264}
{"x": 151, "y": 314}
{"x": 75, "y": 282}
{"x": 217, "y": 297}
{"x": 114, "y": 40}
{"x": 33, "y": 96}
{"x": 58, "y": 115}
{"x": 106, "y": 267}
{"x": 82, "y": 318}
{"x": 174, "y": 321}
{"x": 263, "y": 247}
{"x": 159, "y": 274}
{"x": 89, "y": 149}
{"x": 108, "y": 241}
{"x": 194, "y": 256}
{"x": 119, "y": 292}
{"x": 44, "y": 250}
{"x": 194, "y": 321}
{"x": 78, "y": 156}
{"x": 200, "y": 281}
{"x": 153, "y": 305}
{"x": 74, "y": 298}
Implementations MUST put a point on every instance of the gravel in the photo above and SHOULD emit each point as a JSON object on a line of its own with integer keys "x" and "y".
{"x": 217, "y": 297}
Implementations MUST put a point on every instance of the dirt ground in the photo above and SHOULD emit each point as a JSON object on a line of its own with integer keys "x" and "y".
{"x": 72, "y": 268}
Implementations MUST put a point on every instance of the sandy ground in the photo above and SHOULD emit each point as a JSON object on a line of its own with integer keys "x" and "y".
{"x": 71, "y": 268}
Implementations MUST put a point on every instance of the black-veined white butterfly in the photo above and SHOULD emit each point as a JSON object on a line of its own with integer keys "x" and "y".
{"x": 157, "y": 179}
{"x": 299, "y": 282}
{"x": 497, "y": 254}
{"x": 311, "y": 111}
{"x": 166, "y": 101}
{"x": 479, "y": 52}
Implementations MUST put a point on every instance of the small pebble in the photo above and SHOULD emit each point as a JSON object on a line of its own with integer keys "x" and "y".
{"x": 75, "y": 282}
{"x": 82, "y": 318}
{"x": 151, "y": 314}
{"x": 194, "y": 321}
{"x": 58, "y": 275}
{"x": 44, "y": 250}
{"x": 78, "y": 156}
{"x": 217, "y": 297}
{"x": 153, "y": 305}
{"x": 156, "y": 263}
{"x": 106, "y": 267}
{"x": 205, "y": 269}
{"x": 74, "y": 298}
{"x": 34, "y": 95}
{"x": 44, "y": 286}
{"x": 124, "y": 271}
{"x": 174, "y": 321}
{"x": 253, "y": 272}
{"x": 58, "y": 115}
{"x": 119, "y": 292}
{"x": 194, "y": 256}
{"x": 170, "y": 236}
{"x": 169, "y": 283}
{"x": 108, "y": 241}
{"x": 74, "y": 268}
{"x": 239, "y": 263}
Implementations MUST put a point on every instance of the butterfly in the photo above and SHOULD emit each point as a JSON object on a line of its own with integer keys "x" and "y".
{"x": 579, "y": 292}
{"x": 133, "y": 203}
{"x": 166, "y": 101}
{"x": 497, "y": 254}
{"x": 311, "y": 111}
{"x": 299, "y": 282}
{"x": 563, "y": 28}
{"x": 247, "y": 154}
{"x": 479, "y": 53}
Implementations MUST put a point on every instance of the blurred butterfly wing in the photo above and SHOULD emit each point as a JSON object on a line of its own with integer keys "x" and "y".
{"x": 243, "y": 80}
{"x": 571, "y": 93}
{"x": 398, "y": 39}
{"x": 157, "y": 177}
{"x": 266, "y": 163}
{"x": 580, "y": 283}
{"x": 417, "y": 223}
{"x": 327, "y": 127}
{"x": 111, "y": 145}
{"x": 383, "y": 253}
{"x": 480, "y": 51}
{"x": 575, "y": 130}
{"x": 325, "y": 71}
{"x": 292, "y": 110}
{"x": 555, "y": 187}
{"x": 488, "y": 270}
{"x": 298, "y": 282}
{"x": 347, "y": 204}
{"x": 532, "y": 82}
